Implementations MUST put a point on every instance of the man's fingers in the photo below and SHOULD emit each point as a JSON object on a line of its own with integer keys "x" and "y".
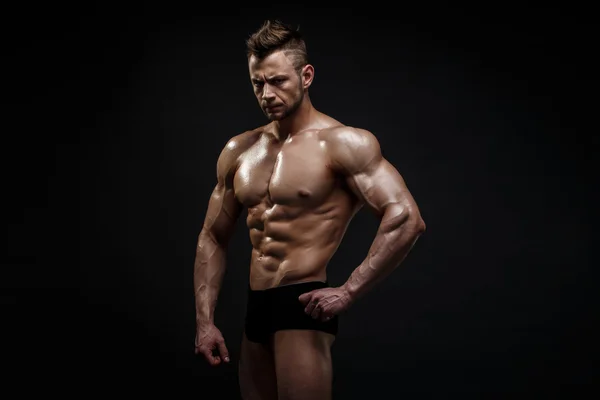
{"x": 310, "y": 306}
{"x": 326, "y": 316}
{"x": 305, "y": 297}
{"x": 223, "y": 351}
{"x": 212, "y": 360}
{"x": 316, "y": 312}
{"x": 207, "y": 354}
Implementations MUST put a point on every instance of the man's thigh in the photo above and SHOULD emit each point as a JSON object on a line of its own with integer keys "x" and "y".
{"x": 257, "y": 371}
{"x": 303, "y": 364}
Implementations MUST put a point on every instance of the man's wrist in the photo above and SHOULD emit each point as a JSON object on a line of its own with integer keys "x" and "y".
{"x": 350, "y": 290}
{"x": 203, "y": 320}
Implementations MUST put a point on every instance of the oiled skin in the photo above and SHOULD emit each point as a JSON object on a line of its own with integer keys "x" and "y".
{"x": 300, "y": 196}
{"x": 301, "y": 178}
{"x": 298, "y": 206}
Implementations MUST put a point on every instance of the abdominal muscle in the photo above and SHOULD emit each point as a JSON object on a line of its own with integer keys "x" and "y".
{"x": 293, "y": 245}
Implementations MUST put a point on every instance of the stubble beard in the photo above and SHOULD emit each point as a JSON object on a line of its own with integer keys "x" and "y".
{"x": 288, "y": 111}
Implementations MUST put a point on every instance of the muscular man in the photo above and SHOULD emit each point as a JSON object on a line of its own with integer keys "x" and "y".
{"x": 301, "y": 178}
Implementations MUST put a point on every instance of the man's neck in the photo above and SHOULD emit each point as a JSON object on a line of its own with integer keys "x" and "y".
{"x": 300, "y": 120}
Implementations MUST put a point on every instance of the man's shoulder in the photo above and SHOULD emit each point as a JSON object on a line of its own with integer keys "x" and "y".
{"x": 346, "y": 133}
{"x": 351, "y": 147}
{"x": 236, "y": 146}
{"x": 349, "y": 138}
{"x": 242, "y": 141}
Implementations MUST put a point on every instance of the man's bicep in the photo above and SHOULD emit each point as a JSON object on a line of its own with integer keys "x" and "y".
{"x": 380, "y": 186}
{"x": 372, "y": 178}
{"x": 223, "y": 207}
{"x": 222, "y": 213}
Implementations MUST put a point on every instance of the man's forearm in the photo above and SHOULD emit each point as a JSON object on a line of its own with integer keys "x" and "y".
{"x": 397, "y": 234}
{"x": 209, "y": 269}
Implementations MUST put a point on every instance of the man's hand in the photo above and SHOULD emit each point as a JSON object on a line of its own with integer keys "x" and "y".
{"x": 208, "y": 339}
{"x": 326, "y": 303}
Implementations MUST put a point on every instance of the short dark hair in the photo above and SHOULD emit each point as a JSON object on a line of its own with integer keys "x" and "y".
{"x": 273, "y": 36}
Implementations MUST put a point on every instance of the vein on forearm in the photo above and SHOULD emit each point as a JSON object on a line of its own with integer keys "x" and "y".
{"x": 395, "y": 237}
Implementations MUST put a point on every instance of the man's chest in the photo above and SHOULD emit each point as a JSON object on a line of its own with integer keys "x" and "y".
{"x": 294, "y": 173}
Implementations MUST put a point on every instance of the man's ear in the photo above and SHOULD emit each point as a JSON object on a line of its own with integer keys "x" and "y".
{"x": 307, "y": 74}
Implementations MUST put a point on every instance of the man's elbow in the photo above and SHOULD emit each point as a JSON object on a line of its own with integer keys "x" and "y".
{"x": 405, "y": 218}
{"x": 415, "y": 222}
{"x": 420, "y": 227}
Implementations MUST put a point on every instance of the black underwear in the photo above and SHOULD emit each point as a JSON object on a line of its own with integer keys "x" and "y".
{"x": 278, "y": 308}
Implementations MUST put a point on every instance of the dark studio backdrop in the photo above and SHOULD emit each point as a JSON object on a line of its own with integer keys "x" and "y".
{"x": 121, "y": 117}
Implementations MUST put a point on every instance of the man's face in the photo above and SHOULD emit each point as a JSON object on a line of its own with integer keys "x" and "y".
{"x": 276, "y": 84}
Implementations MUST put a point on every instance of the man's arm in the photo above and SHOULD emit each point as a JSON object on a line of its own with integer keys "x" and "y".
{"x": 357, "y": 154}
{"x": 222, "y": 213}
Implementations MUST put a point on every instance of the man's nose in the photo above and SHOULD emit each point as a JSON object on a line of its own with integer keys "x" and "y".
{"x": 267, "y": 93}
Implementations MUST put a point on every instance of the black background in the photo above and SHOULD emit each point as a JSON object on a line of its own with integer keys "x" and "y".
{"x": 120, "y": 116}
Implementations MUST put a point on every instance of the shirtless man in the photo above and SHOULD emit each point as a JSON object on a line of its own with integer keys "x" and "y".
{"x": 301, "y": 178}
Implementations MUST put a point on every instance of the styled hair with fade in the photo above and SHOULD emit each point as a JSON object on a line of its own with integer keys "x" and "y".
{"x": 273, "y": 36}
